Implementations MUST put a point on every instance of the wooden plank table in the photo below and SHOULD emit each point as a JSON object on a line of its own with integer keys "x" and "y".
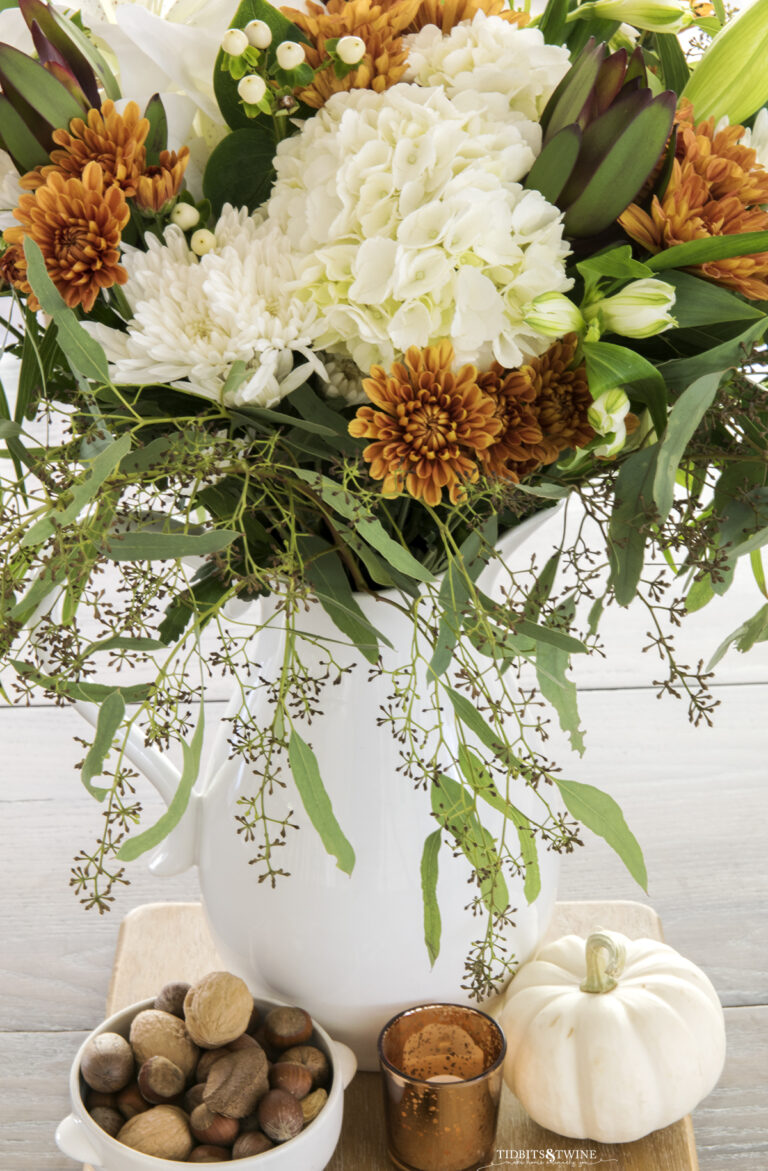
{"x": 164, "y": 942}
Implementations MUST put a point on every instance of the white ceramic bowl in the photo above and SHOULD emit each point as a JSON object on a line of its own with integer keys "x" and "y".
{"x": 80, "y": 1138}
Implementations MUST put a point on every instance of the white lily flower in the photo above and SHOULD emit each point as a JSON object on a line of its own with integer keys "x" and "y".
{"x": 553, "y": 315}
{"x": 641, "y": 309}
{"x": 607, "y": 416}
{"x": 655, "y": 16}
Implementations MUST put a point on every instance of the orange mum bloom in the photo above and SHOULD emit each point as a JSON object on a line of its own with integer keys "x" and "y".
{"x": 562, "y": 398}
{"x": 159, "y": 185}
{"x": 430, "y": 426}
{"x": 379, "y": 25}
{"x": 446, "y": 14}
{"x": 114, "y": 141}
{"x": 517, "y": 449}
{"x": 716, "y": 189}
{"x": 76, "y": 223}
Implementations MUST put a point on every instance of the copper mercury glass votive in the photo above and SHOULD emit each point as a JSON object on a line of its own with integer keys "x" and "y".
{"x": 442, "y": 1074}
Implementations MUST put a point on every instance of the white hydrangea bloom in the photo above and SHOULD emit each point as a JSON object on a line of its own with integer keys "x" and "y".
{"x": 408, "y": 224}
{"x": 514, "y": 68}
{"x": 193, "y": 318}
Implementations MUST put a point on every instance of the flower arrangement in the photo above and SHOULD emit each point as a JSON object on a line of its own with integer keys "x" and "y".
{"x": 362, "y": 287}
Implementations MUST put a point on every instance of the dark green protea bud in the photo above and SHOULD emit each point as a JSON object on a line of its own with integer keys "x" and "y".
{"x": 41, "y": 96}
{"x": 604, "y": 133}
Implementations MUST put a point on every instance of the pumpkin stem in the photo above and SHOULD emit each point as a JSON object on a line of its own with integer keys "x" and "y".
{"x": 605, "y": 962}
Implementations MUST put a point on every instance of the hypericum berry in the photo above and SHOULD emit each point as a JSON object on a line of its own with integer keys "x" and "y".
{"x": 234, "y": 42}
{"x": 185, "y": 216}
{"x": 259, "y": 34}
{"x": 252, "y": 89}
{"x": 290, "y": 54}
{"x": 202, "y": 242}
{"x": 350, "y": 50}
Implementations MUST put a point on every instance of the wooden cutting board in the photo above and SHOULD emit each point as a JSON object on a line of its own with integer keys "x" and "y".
{"x": 161, "y": 942}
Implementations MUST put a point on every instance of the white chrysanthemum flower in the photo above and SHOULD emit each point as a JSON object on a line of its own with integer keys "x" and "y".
{"x": 345, "y": 380}
{"x": 514, "y": 68}
{"x": 10, "y": 191}
{"x": 194, "y": 318}
{"x": 757, "y": 138}
{"x": 408, "y": 224}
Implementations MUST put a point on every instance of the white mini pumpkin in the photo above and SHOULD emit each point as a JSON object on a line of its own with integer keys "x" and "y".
{"x": 611, "y": 1039}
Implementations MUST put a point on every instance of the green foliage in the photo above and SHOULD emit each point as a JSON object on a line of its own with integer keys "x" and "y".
{"x": 599, "y": 812}
{"x": 429, "y": 876}
{"x": 241, "y": 169}
{"x": 317, "y": 804}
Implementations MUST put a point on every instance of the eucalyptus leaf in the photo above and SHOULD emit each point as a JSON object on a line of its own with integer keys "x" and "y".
{"x": 599, "y": 812}
{"x": 429, "y": 876}
{"x": 111, "y": 714}
{"x": 681, "y": 372}
{"x": 456, "y": 589}
{"x": 552, "y": 663}
{"x": 754, "y": 630}
{"x": 684, "y": 418}
{"x": 76, "y": 689}
{"x": 139, "y": 844}
{"x": 9, "y": 429}
{"x": 317, "y": 803}
{"x": 325, "y": 573}
{"x": 629, "y": 524}
{"x": 81, "y": 494}
{"x": 471, "y": 717}
{"x": 145, "y": 546}
{"x": 454, "y": 809}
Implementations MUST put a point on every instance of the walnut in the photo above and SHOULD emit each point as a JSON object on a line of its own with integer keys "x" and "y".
{"x": 237, "y": 1082}
{"x": 217, "y": 1009}
{"x": 159, "y": 1034}
{"x": 162, "y": 1131}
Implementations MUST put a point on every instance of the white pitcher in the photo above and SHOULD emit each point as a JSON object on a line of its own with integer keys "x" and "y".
{"x": 349, "y": 949}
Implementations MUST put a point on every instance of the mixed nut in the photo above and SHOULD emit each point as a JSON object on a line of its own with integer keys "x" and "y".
{"x": 202, "y": 1078}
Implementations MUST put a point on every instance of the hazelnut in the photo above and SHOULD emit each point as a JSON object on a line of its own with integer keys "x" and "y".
{"x": 209, "y": 1154}
{"x": 107, "y": 1063}
{"x": 217, "y": 1009}
{"x": 253, "y": 1143}
{"x": 290, "y": 1076}
{"x": 280, "y": 1115}
{"x": 255, "y": 1020}
{"x": 163, "y": 1132}
{"x": 160, "y": 1079}
{"x": 108, "y": 1119}
{"x": 314, "y": 1059}
{"x": 159, "y": 1034}
{"x": 193, "y": 1097}
{"x": 212, "y": 1128}
{"x": 170, "y": 999}
{"x": 130, "y": 1101}
{"x": 211, "y": 1056}
{"x": 311, "y": 1106}
{"x": 285, "y": 1027}
{"x": 237, "y": 1082}
{"x": 96, "y": 1098}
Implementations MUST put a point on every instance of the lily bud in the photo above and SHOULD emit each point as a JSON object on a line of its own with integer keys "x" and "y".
{"x": 640, "y": 310}
{"x": 252, "y": 89}
{"x": 553, "y": 315}
{"x": 655, "y": 16}
{"x": 185, "y": 216}
{"x": 202, "y": 242}
{"x": 607, "y": 416}
{"x": 731, "y": 80}
{"x": 350, "y": 50}
{"x": 290, "y": 54}
{"x": 234, "y": 42}
{"x": 259, "y": 34}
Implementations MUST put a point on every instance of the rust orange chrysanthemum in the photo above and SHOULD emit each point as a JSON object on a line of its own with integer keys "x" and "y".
{"x": 427, "y": 425}
{"x": 115, "y": 141}
{"x": 716, "y": 189}
{"x": 517, "y": 450}
{"x": 378, "y": 25}
{"x": 77, "y": 224}
{"x": 562, "y": 398}
{"x": 158, "y": 185}
{"x": 446, "y": 14}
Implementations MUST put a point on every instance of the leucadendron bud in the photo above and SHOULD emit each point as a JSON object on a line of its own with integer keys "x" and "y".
{"x": 641, "y": 309}
{"x": 731, "y": 80}
{"x": 654, "y": 16}
{"x": 553, "y": 315}
{"x": 607, "y": 416}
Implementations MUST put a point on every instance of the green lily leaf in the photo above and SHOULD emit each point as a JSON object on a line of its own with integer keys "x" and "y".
{"x": 683, "y": 371}
{"x": 610, "y": 366}
{"x": 700, "y": 302}
{"x": 628, "y": 529}
{"x": 684, "y": 418}
{"x": 674, "y": 67}
{"x": 695, "y": 252}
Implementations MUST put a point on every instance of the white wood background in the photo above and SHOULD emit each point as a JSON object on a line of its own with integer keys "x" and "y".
{"x": 695, "y": 797}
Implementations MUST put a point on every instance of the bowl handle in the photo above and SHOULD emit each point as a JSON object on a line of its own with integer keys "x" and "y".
{"x": 346, "y": 1060}
{"x": 73, "y": 1142}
